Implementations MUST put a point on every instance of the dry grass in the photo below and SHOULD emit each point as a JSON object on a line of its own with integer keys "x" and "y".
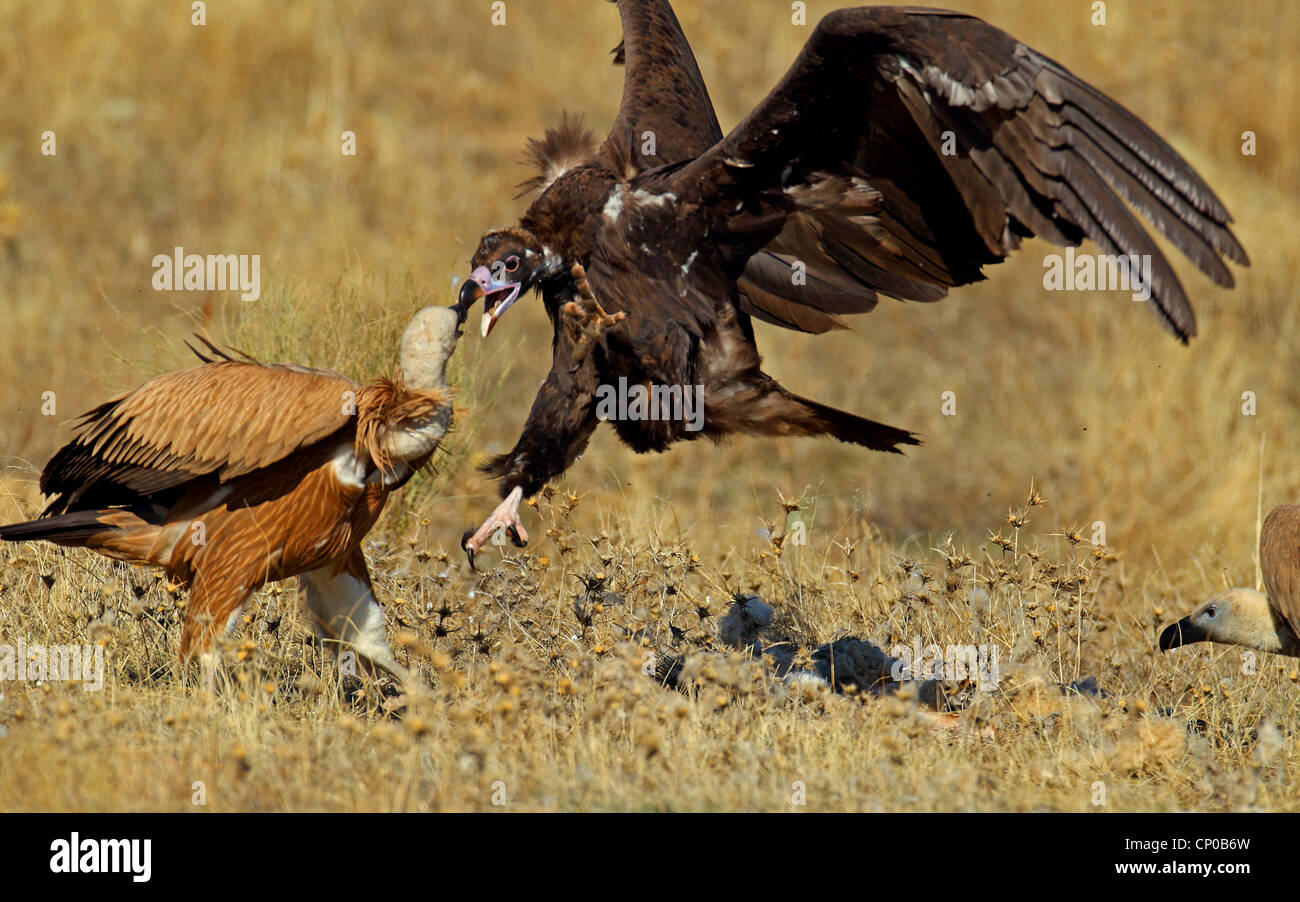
{"x": 225, "y": 139}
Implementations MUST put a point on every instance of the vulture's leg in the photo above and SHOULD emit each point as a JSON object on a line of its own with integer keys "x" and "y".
{"x": 587, "y": 321}
{"x": 505, "y": 515}
{"x": 217, "y": 597}
{"x": 559, "y": 425}
{"x": 343, "y": 607}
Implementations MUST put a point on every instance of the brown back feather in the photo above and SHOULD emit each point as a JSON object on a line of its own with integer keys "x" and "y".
{"x": 227, "y": 417}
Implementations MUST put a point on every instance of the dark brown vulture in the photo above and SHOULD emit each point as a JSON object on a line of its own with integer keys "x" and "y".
{"x": 835, "y": 189}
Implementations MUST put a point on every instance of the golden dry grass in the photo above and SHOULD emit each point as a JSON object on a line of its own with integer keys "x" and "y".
{"x": 225, "y": 139}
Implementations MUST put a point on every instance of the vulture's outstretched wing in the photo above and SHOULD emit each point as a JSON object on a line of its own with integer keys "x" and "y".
{"x": 1279, "y": 559}
{"x": 229, "y": 418}
{"x": 663, "y": 92}
{"x": 843, "y": 168}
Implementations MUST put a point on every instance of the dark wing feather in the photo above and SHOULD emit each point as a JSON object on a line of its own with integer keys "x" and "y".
{"x": 663, "y": 92}
{"x": 225, "y": 419}
{"x": 841, "y": 166}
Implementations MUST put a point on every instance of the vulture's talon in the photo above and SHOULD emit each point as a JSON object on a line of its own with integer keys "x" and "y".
{"x": 468, "y": 548}
{"x": 588, "y": 321}
{"x": 506, "y": 515}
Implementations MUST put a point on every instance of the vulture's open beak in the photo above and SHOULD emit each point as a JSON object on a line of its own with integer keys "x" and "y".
{"x": 1184, "y": 632}
{"x": 497, "y": 296}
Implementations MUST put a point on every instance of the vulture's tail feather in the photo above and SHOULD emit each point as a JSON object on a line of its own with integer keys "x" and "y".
{"x": 64, "y": 529}
{"x": 857, "y": 430}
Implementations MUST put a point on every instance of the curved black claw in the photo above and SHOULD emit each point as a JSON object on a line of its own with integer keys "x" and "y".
{"x": 514, "y": 537}
{"x": 469, "y": 552}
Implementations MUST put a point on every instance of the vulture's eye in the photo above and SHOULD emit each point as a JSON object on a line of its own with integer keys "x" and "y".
{"x": 1211, "y": 613}
{"x": 512, "y": 263}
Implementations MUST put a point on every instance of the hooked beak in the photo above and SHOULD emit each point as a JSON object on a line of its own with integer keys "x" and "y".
{"x": 470, "y": 292}
{"x": 497, "y": 296}
{"x": 1184, "y": 632}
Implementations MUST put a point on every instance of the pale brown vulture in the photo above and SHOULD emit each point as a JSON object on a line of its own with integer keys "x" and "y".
{"x": 1246, "y": 617}
{"x": 233, "y": 473}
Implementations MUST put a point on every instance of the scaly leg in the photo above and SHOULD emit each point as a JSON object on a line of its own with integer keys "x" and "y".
{"x": 506, "y": 515}
{"x": 588, "y": 321}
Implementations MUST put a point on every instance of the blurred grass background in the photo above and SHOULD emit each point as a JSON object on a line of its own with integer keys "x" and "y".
{"x": 226, "y": 139}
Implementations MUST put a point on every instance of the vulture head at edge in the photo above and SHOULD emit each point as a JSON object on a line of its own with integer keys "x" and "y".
{"x": 1247, "y": 617}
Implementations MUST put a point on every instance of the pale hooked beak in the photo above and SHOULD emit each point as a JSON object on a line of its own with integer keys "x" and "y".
{"x": 497, "y": 296}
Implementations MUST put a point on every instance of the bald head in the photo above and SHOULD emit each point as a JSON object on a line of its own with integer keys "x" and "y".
{"x": 1234, "y": 617}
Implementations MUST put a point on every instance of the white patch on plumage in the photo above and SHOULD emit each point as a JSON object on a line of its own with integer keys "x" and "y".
{"x": 654, "y": 200}
{"x": 621, "y": 197}
{"x": 551, "y": 261}
{"x": 347, "y": 469}
{"x": 614, "y": 205}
